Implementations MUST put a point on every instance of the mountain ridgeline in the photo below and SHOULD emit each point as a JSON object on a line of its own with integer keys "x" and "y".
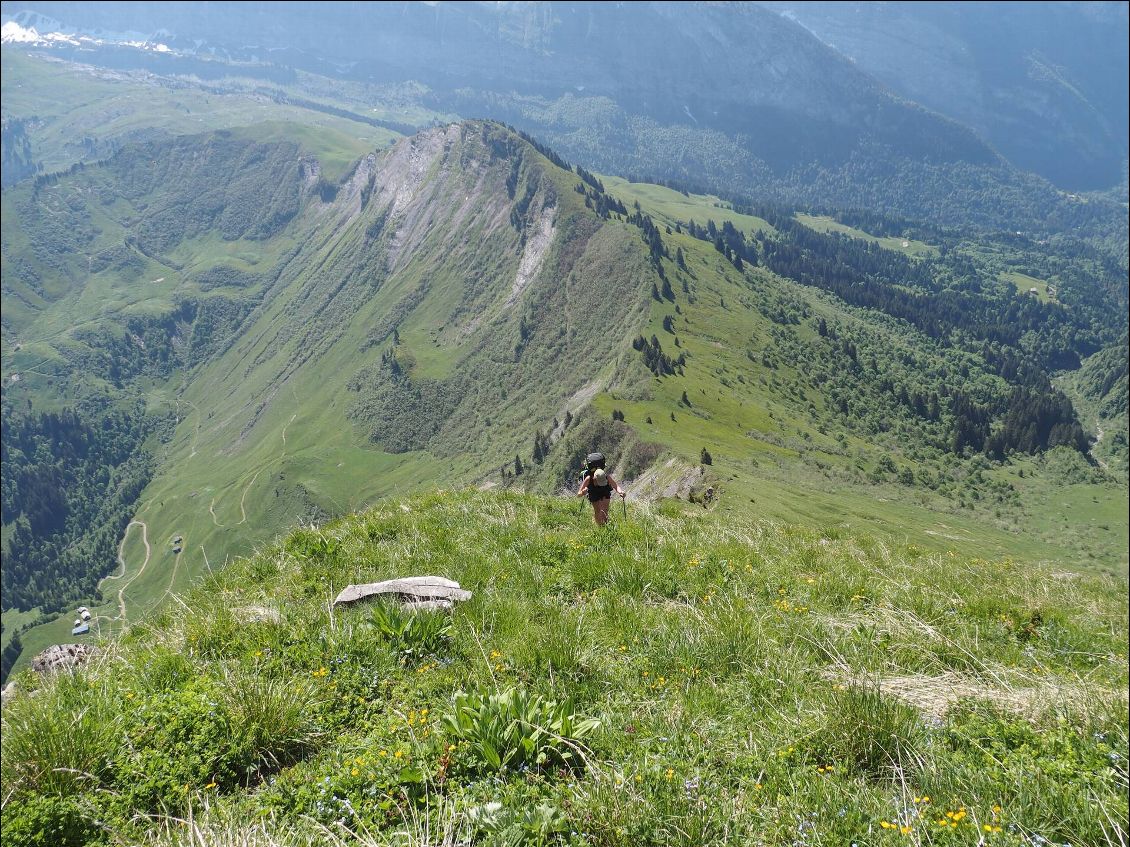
{"x": 446, "y": 290}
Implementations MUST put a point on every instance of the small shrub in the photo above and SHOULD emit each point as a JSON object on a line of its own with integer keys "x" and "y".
{"x": 535, "y": 826}
{"x": 47, "y": 821}
{"x": 411, "y": 633}
{"x": 516, "y": 729}
{"x": 361, "y": 788}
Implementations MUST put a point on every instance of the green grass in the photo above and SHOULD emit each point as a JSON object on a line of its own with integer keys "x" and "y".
{"x": 751, "y": 680}
{"x": 670, "y": 207}
{"x": 907, "y": 246}
{"x": 1025, "y": 284}
{"x": 791, "y": 471}
{"x": 13, "y": 620}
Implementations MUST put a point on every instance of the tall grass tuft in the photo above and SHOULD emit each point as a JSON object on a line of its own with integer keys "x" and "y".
{"x": 59, "y": 741}
{"x": 874, "y": 735}
{"x": 273, "y": 721}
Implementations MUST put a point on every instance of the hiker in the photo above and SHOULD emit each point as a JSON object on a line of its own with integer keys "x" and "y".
{"x": 598, "y": 484}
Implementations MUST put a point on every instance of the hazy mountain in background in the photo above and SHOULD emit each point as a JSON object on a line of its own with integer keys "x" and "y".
{"x": 1045, "y": 83}
{"x": 730, "y": 96}
{"x": 738, "y": 69}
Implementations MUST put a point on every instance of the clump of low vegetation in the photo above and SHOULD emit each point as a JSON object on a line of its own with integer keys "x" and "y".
{"x": 668, "y": 679}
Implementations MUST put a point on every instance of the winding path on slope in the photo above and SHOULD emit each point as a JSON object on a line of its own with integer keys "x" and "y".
{"x": 122, "y": 562}
{"x": 196, "y": 430}
{"x": 212, "y": 512}
{"x": 173, "y": 576}
{"x": 243, "y": 497}
{"x": 243, "y": 511}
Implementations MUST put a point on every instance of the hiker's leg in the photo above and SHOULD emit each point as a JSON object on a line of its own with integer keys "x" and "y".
{"x": 600, "y": 511}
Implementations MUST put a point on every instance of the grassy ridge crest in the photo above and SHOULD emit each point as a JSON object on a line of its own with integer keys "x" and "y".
{"x": 682, "y": 680}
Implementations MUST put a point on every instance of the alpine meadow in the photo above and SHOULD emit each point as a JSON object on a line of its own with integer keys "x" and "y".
{"x": 315, "y": 318}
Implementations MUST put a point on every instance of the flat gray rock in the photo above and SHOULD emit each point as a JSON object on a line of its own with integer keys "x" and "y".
{"x": 418, "y": 592}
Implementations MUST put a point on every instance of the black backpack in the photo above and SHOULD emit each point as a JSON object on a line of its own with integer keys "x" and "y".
{"x": 592, "y": 462}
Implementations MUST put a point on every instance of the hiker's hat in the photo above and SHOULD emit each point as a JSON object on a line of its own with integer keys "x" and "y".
{"x": 599, "y": 476}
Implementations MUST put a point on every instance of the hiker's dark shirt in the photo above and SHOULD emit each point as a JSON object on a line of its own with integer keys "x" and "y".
{"x": 598, "y": 492}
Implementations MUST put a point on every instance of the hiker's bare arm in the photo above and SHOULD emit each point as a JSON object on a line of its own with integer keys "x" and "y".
{"x": 616, "y": 485}
{"x": 584, "y": 488}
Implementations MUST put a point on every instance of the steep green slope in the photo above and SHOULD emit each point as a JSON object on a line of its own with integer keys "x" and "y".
{"x": 817, "y": 411}
{"x": 750, "y": 682}
{"x": 427, "y": 316}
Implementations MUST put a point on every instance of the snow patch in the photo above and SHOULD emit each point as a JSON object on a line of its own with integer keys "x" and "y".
{"x": 14, "y": 33}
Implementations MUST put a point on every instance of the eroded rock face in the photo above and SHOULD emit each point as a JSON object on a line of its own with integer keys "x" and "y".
{"x": 415, "y": 592}
{"x": 60, "y": 656}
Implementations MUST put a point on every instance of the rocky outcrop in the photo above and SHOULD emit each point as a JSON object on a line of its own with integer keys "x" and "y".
{"x": 61, "y": 656}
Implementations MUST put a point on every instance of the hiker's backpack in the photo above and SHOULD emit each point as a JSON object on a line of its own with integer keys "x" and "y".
{"x": 592, "y": 462}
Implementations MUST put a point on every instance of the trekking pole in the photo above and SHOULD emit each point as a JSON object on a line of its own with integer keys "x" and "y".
{"x": 624, "y": 507}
